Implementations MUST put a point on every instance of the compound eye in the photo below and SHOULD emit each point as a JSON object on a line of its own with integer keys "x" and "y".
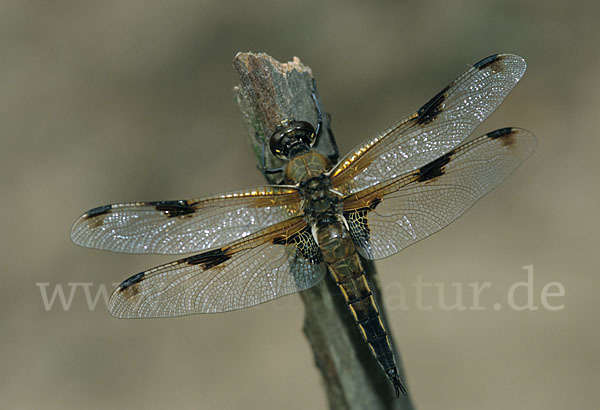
{"x": 306, "y": 132}
{"x": 291, "y": 135}
{"x": 276, "y": 144}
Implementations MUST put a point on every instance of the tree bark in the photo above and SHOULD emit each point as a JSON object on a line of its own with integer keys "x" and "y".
{"x": 270, "y": 92}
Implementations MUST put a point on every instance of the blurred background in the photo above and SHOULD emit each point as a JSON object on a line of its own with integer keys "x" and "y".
{"x": 119, "y": 101}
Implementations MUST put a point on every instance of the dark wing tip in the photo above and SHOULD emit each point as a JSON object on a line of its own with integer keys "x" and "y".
{"x": 500, "y": 63}
{"x": 494, "y": 58}
{"x": 101, "y": 210}
{"x": 502, "y": 132}
{"x": 94, "y": 218}
{"x": 506, "y": 135}
{"x": 127, "y": 283}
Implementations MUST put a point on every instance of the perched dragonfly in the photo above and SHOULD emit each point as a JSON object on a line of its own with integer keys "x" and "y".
{"x": 255, "y": 245}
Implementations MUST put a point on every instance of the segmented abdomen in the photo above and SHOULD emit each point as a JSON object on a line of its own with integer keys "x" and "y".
{"x": 344, "y": 264}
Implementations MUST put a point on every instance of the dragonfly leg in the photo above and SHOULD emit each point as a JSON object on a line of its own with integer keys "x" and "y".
{"x": 334, "y": 156}
{"x": 263, "y": 164}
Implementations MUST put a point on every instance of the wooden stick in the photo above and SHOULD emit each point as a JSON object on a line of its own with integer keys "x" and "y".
{"x": 270, "y": 92}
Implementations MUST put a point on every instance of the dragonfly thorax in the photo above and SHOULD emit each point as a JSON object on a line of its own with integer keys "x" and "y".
{"x": 305, "y": 166}
{"x": 321, "y": 204}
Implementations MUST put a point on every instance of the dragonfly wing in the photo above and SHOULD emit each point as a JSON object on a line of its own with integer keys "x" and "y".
{"x": 390, "y": 216}
{"x": 175, "y": 227}
{"x": 437, "y": 127}
{"x": 271, "y": 263}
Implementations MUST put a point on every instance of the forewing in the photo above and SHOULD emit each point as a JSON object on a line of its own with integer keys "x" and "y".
{"x": 174, "y": 227}
{"x": 391, "y": 216}
{"x": 437, "y": 127}
{"x": 274, "y": 262}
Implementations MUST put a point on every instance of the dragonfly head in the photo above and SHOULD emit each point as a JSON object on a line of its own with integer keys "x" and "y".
{"x": 292, "y": 138}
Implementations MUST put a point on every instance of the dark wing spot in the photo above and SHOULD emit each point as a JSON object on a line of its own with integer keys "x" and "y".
{"x": 279, "y": 240}
{"x": 493, "y": 61}
{"x": 358, "y": 221}
{"x": 101, "y": 210}
{"x": 432, "y": 108}
{"x": 174, "y": 208}
{"x": 435, "y": 168}
{"x": 95, "y": 217}
{"x": 306, "y": 247}
{"x": 131, "y": 281}
{"x": 372, "y": 204}
{"x": 208, "y": 259}
{"x": 129, "y": 287}
{"x": 499, "y": 133}
{"x": 505, "y": 135}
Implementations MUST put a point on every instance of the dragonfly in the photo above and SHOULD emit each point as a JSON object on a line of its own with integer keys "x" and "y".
{"x": 251, "y": 246}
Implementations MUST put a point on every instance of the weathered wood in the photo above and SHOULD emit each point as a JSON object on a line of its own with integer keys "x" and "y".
{"x": 270, "y": 92}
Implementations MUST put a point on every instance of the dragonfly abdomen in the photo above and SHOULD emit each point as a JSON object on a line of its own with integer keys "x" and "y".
{"x": 345, "y": 266}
